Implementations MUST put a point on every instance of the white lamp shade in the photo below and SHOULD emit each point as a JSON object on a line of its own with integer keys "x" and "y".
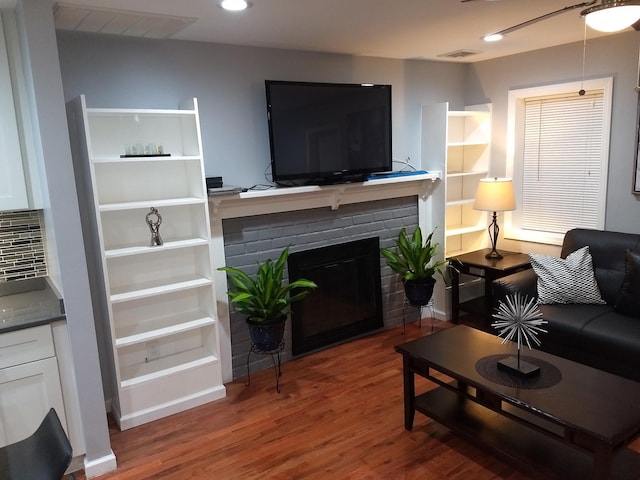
{"x": 612, "y": 15}
{"x": 495, "y": 195}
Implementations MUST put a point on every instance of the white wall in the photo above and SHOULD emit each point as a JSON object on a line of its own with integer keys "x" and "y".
{"x": 44, "y": 87}
{"x": 615, "y": 55}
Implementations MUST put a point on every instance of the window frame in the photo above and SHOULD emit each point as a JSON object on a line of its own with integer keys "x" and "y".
{"x": 515, "y": 133}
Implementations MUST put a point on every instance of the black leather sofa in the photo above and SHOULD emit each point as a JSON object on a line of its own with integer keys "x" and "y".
{"x": 596, "y": 335}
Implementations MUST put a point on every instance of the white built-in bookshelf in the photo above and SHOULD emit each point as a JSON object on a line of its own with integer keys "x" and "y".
{"x": 158, "y": 300}
{"x": 458, "y": 142}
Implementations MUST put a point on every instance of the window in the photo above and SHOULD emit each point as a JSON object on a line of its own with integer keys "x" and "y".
{"x": 558, "y": 155}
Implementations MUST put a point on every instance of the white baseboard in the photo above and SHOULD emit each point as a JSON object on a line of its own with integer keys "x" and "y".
{"x": 100, "y": 466}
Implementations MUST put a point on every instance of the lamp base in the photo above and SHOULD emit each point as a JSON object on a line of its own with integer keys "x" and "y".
{"x": 493, "y": 255}
{"x": 494, "y": 230}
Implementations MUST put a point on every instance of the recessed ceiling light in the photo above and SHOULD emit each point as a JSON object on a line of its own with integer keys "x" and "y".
{"x": 235, "y": 5}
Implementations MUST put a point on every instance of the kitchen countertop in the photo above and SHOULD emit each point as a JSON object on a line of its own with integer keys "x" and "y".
{"x": 28, "y": 303}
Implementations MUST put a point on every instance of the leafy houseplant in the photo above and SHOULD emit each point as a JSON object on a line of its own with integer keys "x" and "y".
{"x": 265, "y": 300}
{"x": 414, "y": 260}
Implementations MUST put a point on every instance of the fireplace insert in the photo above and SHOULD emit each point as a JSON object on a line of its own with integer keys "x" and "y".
{"x": 348, "y": 300}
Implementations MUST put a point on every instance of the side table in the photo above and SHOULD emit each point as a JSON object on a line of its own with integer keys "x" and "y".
{"x": 476, "y": 264}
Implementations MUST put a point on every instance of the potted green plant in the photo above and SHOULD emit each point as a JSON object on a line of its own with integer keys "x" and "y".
{"x": 414, "y": 260}
{"x": 265, "y": 300}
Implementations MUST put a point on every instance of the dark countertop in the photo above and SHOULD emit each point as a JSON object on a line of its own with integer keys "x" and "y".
{"x": 28, "y": 303}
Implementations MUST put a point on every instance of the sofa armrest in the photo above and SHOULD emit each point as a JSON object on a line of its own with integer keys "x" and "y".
{"x": 525, "y": 282}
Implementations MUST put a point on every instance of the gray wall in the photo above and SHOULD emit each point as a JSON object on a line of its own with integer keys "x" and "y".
{"x": 228, "y": 81}
{"x": 615, "y": 55}
{"x": 229, "y": 84}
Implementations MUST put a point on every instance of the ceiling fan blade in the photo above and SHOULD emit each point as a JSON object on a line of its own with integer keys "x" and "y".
{"x": 544, "y": 17}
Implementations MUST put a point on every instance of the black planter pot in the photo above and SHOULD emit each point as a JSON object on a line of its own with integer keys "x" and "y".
{"x": 267, "y": 335}
{"x": 419, "y": 292}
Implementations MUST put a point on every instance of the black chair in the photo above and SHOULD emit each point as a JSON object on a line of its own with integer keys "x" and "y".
{"x": 45, "y": 455}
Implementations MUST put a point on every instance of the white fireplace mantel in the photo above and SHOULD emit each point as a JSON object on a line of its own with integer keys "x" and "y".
{"x": 277, "y": 200}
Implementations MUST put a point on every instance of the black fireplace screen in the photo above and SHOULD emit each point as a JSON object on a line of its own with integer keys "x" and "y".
{"x": 348, "y": 300}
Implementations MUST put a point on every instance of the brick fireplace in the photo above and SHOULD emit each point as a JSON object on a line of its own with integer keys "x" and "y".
{"x": 254, "y": 226}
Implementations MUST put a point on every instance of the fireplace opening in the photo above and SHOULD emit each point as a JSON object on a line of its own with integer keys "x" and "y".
{"x": 348, "y": 300}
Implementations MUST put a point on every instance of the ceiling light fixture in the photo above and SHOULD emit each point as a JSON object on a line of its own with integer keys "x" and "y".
{"x": 612, "y": 15}
{"x": 235, "y": 5}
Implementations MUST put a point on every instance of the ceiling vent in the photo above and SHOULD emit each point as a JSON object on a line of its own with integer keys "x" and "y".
{"x": 459, "y": 54}
{"x": 117, "y": 22}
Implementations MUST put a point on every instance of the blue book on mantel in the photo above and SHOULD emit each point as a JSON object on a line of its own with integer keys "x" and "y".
{"x": 376, "y": 176}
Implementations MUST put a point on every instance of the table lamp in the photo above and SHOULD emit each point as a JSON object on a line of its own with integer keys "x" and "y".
{"x": 494, "y": 195}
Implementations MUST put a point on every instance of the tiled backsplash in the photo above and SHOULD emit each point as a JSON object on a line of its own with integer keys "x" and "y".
{"x": 21, "y": 246}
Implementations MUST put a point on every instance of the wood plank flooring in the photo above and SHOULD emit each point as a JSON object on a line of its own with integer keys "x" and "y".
{"x": 339, "y": 416}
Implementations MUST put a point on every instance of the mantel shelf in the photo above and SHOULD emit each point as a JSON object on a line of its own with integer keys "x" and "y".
{"x": 288, "y": 199}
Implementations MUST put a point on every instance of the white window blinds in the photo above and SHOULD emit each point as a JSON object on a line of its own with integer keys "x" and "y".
{"x": 563, "y": 153}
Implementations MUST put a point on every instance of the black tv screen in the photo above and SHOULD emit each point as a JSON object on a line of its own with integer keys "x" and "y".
{"x": 328, "y": 132}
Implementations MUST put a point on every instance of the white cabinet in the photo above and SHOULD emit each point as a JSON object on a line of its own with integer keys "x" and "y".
{"x": 159, "y": 300}
{"x": 29, "y": 382}
{"x": 458, "y": 142}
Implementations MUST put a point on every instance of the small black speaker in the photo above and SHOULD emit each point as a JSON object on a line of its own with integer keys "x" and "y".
{"x": 214, "y": 182}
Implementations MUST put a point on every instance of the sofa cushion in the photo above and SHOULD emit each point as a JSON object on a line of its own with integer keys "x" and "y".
{"x": 628, "y": 300}
{"x": 613, "y": 336}
{"x": 567, "y": 321}
{"x": 569, "y": 280}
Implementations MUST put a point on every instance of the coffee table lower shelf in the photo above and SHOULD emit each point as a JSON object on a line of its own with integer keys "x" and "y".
{"x": 546, "y": 456}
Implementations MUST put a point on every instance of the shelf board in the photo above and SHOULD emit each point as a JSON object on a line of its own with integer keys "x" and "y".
{"x": 144, "y": 249}
{"x": 462, "y": 229}
{"x": 164, "y": 327}
{"x": 466, "y": 281}
{"x": 479, "y": 114}
{"x": 143, "y": 372}
{"x": 169, "y": 202}
{"x": 464, "y": 201}
{"x": 539, "y": 454}
{"x": 160, "y": 290}
{"x": 469, "y": 173}
{"x": 129, "y": 112}
{"x": 97, "y": 160}
{"x": 467, "y": 144}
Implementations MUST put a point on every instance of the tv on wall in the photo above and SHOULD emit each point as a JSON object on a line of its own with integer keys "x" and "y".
{"x": 323, "y": 133}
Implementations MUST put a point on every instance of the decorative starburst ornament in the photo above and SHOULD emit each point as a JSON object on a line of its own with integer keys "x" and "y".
{"x": 518, "y": 319}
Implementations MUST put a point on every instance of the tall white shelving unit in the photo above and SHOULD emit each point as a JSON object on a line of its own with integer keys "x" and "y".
{"x": 159, "y": 300}
{"x": 458, "y": 142}
{"x": 468, "y": 153}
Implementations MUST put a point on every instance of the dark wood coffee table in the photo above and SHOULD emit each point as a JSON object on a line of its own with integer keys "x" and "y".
{"x": 577, "y": 427}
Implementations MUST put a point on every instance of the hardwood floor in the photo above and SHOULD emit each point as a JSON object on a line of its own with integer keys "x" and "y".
{"x": 339, "y": 415}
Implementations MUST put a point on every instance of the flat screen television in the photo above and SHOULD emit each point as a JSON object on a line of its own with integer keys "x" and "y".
{"x": 323, "y": 133}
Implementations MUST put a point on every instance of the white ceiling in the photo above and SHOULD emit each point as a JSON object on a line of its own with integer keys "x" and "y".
{"x": 404, "y": 29}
